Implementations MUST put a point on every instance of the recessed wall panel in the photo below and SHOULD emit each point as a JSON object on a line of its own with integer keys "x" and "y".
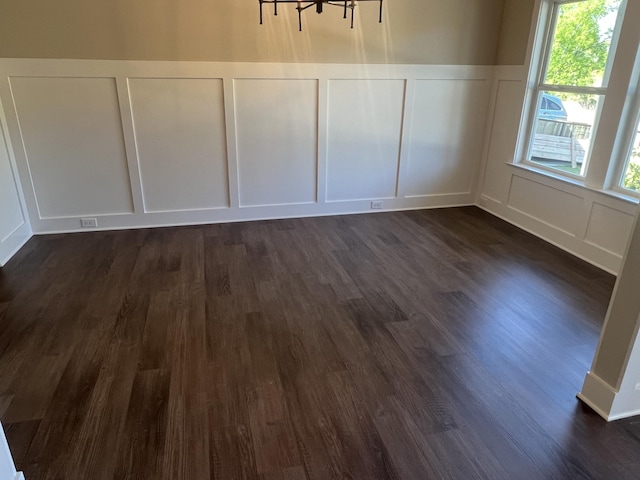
{"x": 556, "y": 208}
{"x": 276, "y": 126}
{"x": 365, "y": 123}
{"x": 10, "y": 211}
{"x": 181, "y": 143}
{"x": 502, "y": 143}
{"x": 447, "y": 132}
{"x": 609, "y": 229}
{"x": 72, "y": 134}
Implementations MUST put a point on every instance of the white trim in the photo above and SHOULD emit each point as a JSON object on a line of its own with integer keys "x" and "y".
{"x": 322, "y": 154}
{"x": 12, "y": 244}
{"x": 123, "y": 90}
{"x": 597, "y": 394}
{"x": 609, "y": 403}
{"x": 191, "y": 69}
{"x": 7, "y": 467}
{"x": 539, "y": 57}
{"x": 609, "y": 198}
{"x": 6, "y": 237}
{"x": 15, "y": 240}
{"x": 233, "y": 181}
{"x": 246, "y": 214}
{"x": 624, "y": 142}
{"x": 406, "y": 136}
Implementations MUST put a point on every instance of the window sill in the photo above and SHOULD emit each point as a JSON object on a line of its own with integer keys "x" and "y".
{"x": 577, "y": 183}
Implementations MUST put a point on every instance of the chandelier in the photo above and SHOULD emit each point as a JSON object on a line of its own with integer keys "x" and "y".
{"x": 303, "y": 5}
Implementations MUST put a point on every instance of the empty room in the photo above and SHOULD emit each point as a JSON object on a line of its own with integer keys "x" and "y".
{"x": 319, "y": 239}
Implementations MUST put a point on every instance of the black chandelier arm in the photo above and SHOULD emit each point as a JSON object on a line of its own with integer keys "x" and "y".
{"x": 345, "y": 4}
{"x": 302, "y": 9}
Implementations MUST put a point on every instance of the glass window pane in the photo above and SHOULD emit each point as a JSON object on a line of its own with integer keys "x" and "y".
{"x": 631, "y": 177}
{"x": 581, "y": 42}
{"x": 562, "y": 134}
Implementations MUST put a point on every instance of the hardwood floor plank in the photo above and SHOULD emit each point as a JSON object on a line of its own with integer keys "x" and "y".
{"x": 142, "y": 444}
{"x": 94, "y": 455}
{"x": 232, "y": 455}
{"x": 187, "y": 436}
{"x": 55, "y": 439}
{"x": 20, "y": 435}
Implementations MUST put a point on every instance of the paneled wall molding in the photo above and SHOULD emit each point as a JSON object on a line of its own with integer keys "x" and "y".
{"x": 588, "y": 223}
{"x": 15, "y": 228}
{"x": 159, "y": 69}
{"x": 140, "y": 144}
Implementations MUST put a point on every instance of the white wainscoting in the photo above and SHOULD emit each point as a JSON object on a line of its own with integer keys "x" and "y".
{"x": 137, "y": 144}
{"x": 364, "y": 166}
{"x": 445, "y": 132}
{"x": 277, "y": 138}
{"x": 14, "y": 226}
{"x": 590, "y": 224}
{"x": 74, "y": 148}
{"x": 173, "y": 117}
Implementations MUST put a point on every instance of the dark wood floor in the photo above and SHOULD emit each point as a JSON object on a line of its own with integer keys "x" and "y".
{"x": 419, "y": 345}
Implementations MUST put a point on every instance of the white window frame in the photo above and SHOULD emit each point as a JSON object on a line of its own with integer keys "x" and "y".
{"x": 629, "y": 127}
{"x": 539, "y": 60}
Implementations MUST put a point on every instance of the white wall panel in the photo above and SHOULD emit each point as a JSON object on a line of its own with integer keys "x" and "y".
{"x": 554, "y": 207}
{"x": 11, "y": 217}
{"x": 446, "y": 136}
{"x": 276, "y": 125}
{"x": 15, "y": 229}
{"x": 502, "y": 141}
{"x": 365, "y": 125}
{"x": 609, "y": 228}
{"x": 181, "y": 143}
{"x": 72, "y": 134}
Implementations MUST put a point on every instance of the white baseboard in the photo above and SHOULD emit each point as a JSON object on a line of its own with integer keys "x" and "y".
{"x": 14, "y": 242}
{"x": 242, "y": 214}
{"x": 607, "y": 402}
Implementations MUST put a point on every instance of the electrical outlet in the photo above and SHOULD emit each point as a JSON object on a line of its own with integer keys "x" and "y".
{"x": 638, "y": 386}
{"x": 376, "y": 205}
{"x": 88, "y": 222}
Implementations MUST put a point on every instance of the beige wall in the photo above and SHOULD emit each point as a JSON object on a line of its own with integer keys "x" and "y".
{"x": 458, "y": 32}
{"x": 514, "y": 36}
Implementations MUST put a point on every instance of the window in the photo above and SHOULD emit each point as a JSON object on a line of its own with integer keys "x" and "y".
{"x": 574, "y": 62}
{"x": 631, "y": 178}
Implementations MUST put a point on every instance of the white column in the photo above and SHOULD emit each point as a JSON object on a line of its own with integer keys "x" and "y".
{"x": 7, "y": 468}
{"x": 612, "y": 386}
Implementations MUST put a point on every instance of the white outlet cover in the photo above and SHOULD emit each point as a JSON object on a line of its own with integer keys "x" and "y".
{"x": 88, "y": 222}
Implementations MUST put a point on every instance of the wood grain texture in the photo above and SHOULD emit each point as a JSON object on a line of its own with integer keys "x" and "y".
{"x": 441, "y": 344}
